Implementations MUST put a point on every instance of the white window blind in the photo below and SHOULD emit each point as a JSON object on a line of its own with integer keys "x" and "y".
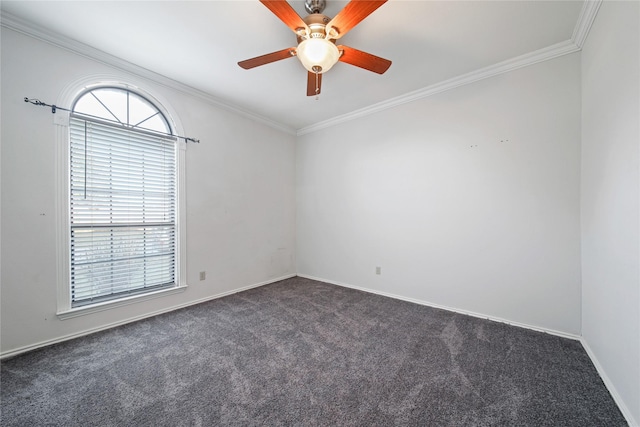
{"x": 122, "y": 212}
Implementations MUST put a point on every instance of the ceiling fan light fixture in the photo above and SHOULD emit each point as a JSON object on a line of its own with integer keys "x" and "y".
{"x": 318, "y": 52}
{"x": 317, "y": 35}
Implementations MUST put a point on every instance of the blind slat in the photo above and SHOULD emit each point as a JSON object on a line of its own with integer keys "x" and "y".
{"x": 123, "y": 212}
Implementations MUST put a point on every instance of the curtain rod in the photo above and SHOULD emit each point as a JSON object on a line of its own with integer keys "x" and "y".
{"x": 54, "y": 108}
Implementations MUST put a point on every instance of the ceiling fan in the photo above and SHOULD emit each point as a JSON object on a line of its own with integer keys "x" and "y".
{"x": 317, "y": 35}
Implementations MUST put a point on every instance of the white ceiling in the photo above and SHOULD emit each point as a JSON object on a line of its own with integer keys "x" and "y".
{"x": 199, "y": 43}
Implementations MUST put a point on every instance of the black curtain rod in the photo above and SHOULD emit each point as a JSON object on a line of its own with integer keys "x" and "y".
{"x": 54, "y": 108}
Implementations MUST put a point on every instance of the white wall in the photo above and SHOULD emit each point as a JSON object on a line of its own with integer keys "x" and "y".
{"x": 466, "y": 199}
{"x": 610, "y": 194}
{"x": 240, "y": 196}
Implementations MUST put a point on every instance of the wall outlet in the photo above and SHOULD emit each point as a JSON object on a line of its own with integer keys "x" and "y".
{"x": 203, "y": 275}
{"x": 378, "y": 270}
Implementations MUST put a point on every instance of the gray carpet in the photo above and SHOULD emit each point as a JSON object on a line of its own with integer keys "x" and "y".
{"x": 305, "y": 353}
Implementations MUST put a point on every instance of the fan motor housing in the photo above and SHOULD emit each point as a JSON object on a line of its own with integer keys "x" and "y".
{"x": 317, "y": 24}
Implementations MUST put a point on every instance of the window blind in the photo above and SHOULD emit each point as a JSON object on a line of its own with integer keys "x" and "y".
{"x": 122, "y": 212}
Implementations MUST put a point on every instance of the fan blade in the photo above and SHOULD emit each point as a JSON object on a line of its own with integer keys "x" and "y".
{"x": 364, "y": 60}
{"x": 352, "y": 14}
{"x": 311, "y": 84}
{"x": 286, "y": 13}
{"x": 268, "y": 58}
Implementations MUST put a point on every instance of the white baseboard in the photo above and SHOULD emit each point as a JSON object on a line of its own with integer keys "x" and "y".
{"x": 20, "y": 350}
{"x": 443, "y": 307}
{"x": 612, "y": 390}
{"x": 609, "y": 384}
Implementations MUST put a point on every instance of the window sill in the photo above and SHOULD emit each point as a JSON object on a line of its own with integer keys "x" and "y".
{"x": 95, "y": 308}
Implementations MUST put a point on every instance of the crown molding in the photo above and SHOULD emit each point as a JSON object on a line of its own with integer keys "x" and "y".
{"x": 585, "y": 21}
{"x": 544, "y": 54}
{"x": 580, "y": 32}
{"x": 27, "y": 28}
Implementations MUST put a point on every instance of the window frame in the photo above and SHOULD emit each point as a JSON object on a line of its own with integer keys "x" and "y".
{"x": 63, "y": 197}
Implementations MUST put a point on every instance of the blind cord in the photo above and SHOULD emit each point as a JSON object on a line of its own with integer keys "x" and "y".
{"x": 85, "y": 160}
{"x": 54, "y": 108}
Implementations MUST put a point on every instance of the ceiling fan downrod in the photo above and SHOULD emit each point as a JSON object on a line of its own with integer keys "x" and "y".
{"x": 314, "y": 6}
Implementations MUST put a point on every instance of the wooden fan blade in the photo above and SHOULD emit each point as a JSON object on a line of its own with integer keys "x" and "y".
{"x": 364, "y": 60}
{"x": 286, "y": 13}
{"x": 354, "y": 12}
{"x": 311, "y": 84}
{"x": 268, "y": 58}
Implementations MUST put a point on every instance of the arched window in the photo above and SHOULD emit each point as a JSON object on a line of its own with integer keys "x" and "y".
{"x": 123, "y": 107}
{"x": 123, "y": 209}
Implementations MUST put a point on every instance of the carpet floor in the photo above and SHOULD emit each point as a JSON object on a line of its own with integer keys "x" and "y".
{"x": 305, "y": 353}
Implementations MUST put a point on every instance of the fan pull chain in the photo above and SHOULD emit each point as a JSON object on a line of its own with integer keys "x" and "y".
{"x": 317, "y": 69}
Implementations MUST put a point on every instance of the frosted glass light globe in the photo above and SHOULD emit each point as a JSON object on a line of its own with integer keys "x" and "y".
{"x": 318, "y": 52}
